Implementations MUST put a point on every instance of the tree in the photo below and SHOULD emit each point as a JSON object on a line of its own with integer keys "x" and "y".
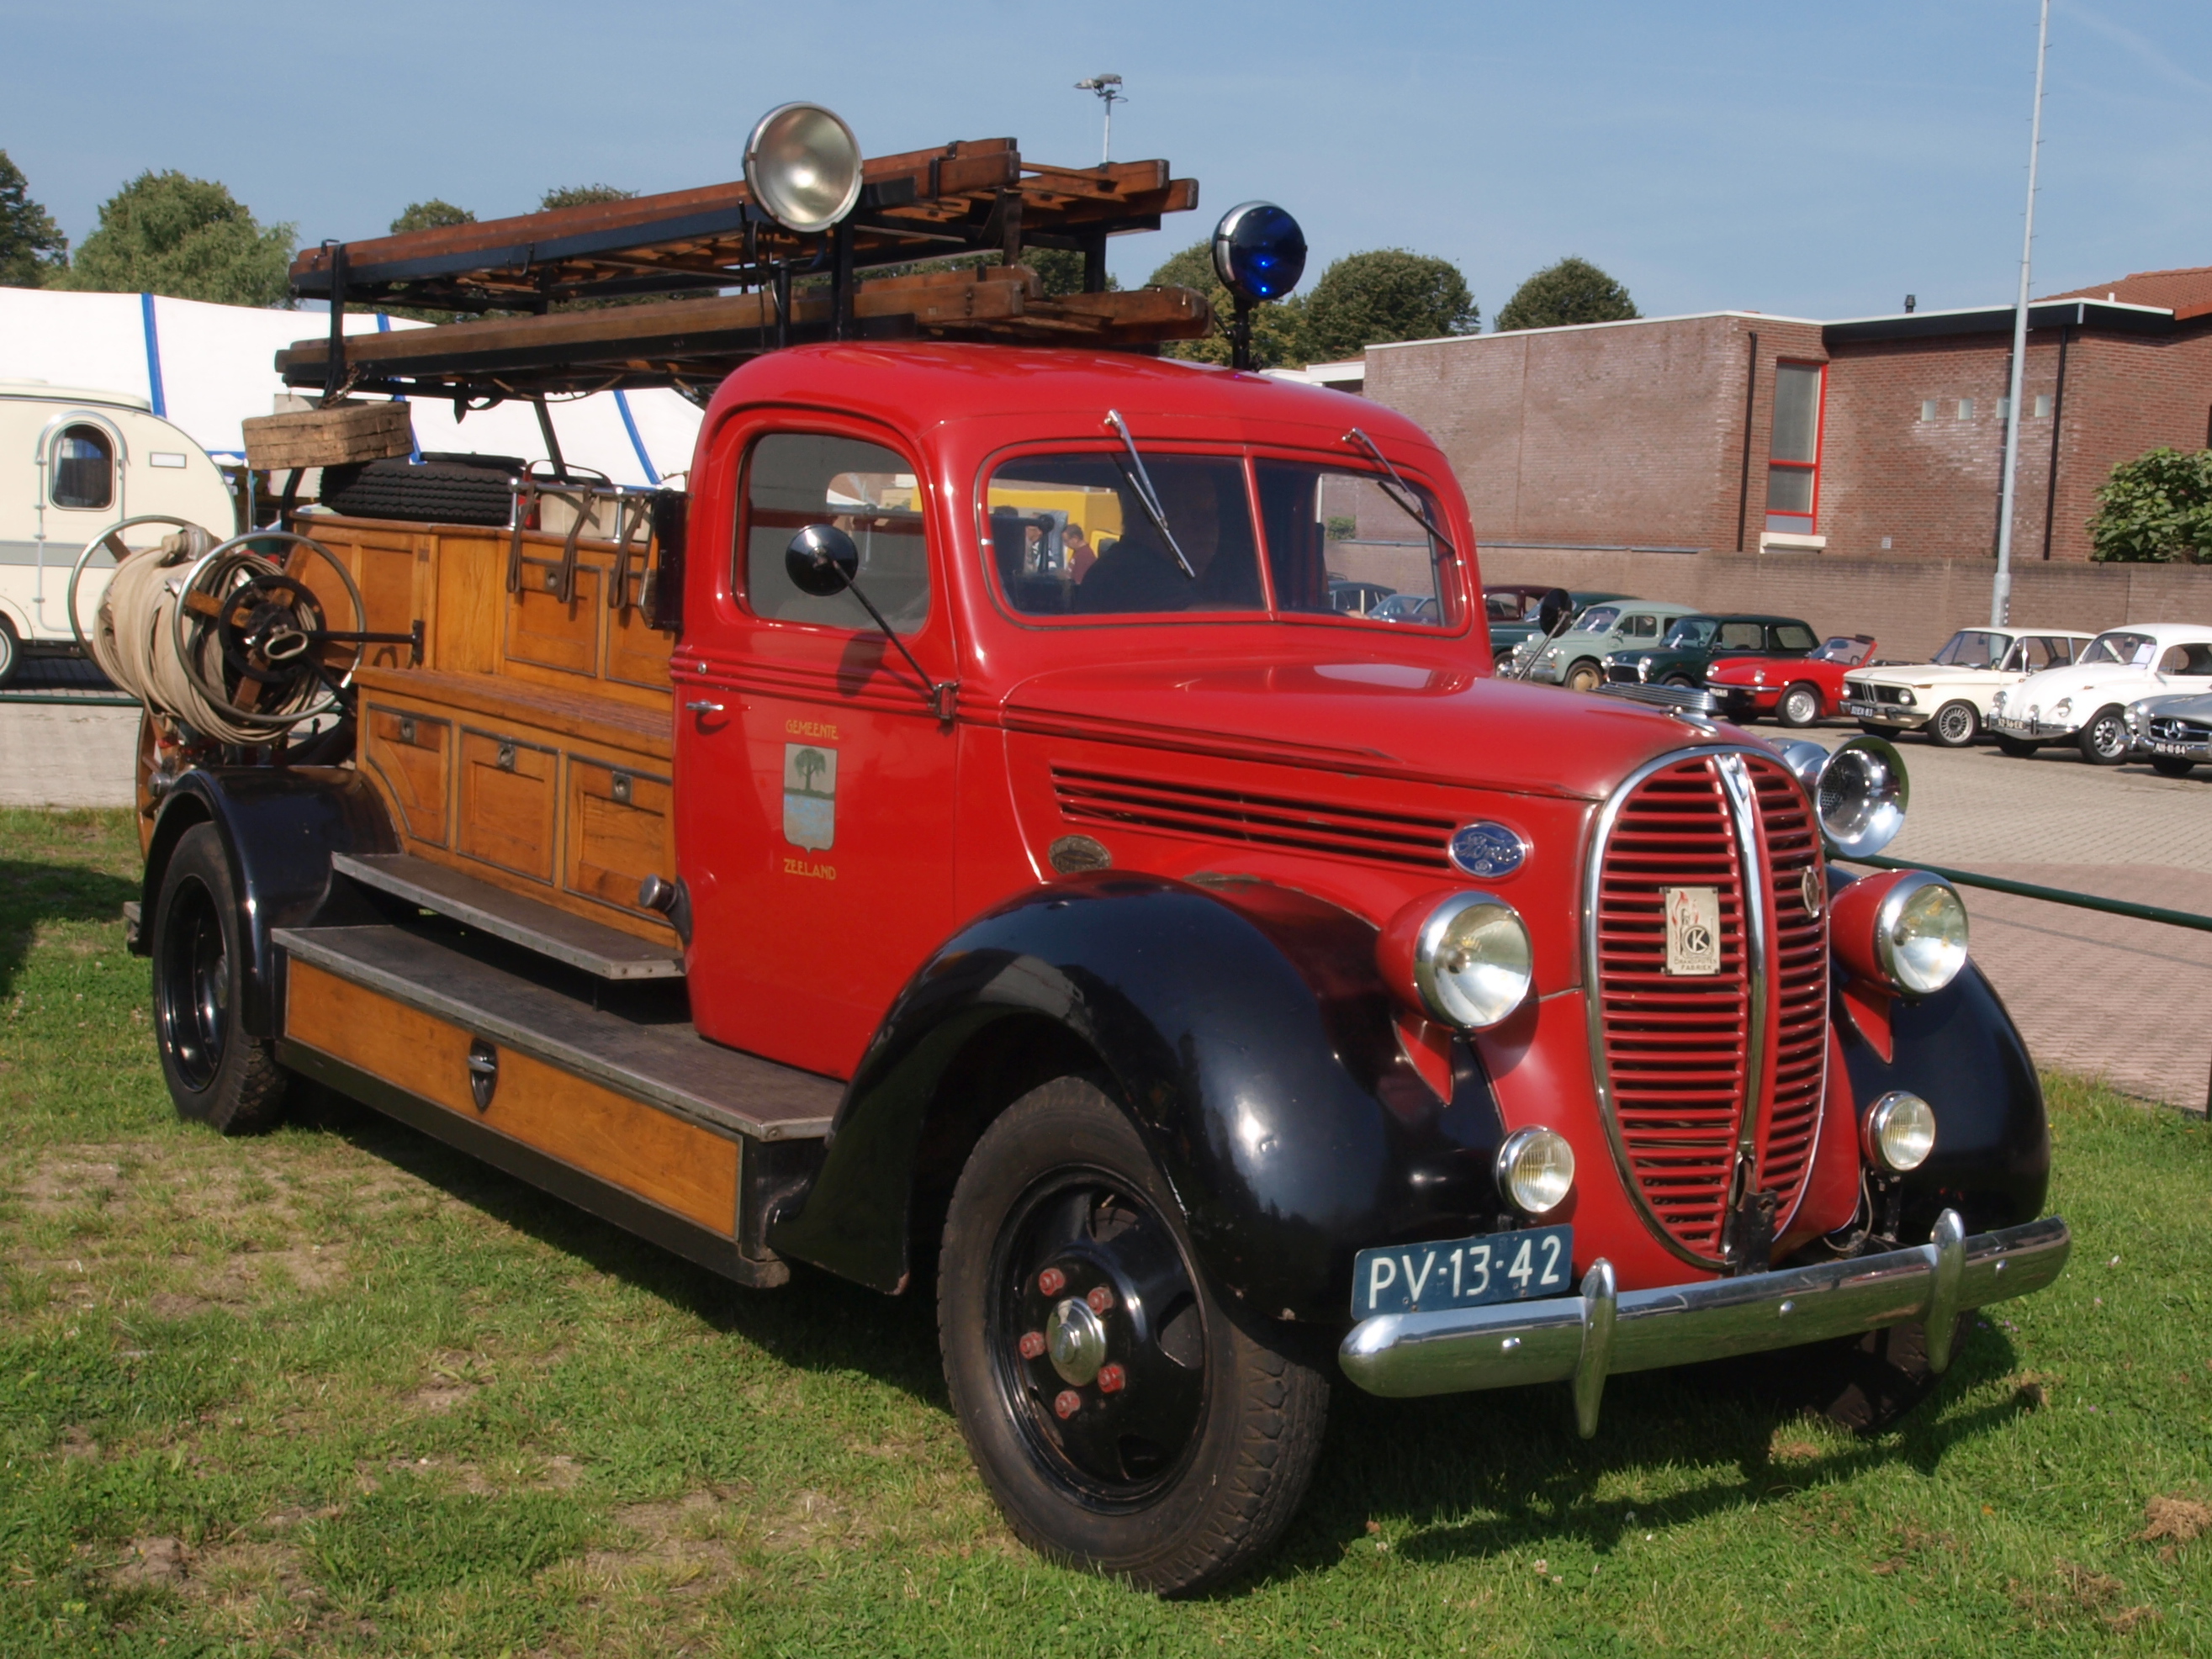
{"x": 1062, "y": 269}
{"x": 432, "y": 214}
{"x": 1277, "y": 327}
{"x": 2155, "y": 509}
{"x": 581, "y": 196}
{"x": 164, "y": 233}
{"x": 1572, "y": 291}
{"x": 1387, "y": 294}
{"x": 32, "y": 250}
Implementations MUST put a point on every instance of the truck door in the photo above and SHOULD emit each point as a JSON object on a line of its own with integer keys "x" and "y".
{"x": 814, "y": 784}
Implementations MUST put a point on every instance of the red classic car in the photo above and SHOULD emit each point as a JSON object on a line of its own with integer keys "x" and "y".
{"x": 1795, "y": 689}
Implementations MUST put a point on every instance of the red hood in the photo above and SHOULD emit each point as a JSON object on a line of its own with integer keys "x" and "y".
{"x": 1443, "y": 726}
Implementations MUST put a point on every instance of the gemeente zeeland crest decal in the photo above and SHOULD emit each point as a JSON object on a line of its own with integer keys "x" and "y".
{"x": 1693, "y": 930}
{"x": 810, "y": 795}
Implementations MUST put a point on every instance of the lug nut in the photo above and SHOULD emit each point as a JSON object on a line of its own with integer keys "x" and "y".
{"x": 1111, "y": 1379}
{"x": 1032, "y": 1344}
{"x": 1100, "y": 1299}
{"x": 1051, "y": 1281}
{"x": 1068, "y": 1404}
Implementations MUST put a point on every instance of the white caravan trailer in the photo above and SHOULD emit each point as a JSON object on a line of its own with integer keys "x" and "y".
{"x": 73, "y": 462}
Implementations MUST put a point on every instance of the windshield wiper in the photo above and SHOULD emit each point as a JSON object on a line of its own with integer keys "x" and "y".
{"x": 1147, "y": 497}
{"x": 1409, "y": 503}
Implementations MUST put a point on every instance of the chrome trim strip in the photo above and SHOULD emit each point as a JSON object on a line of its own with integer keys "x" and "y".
{"x": 1758, "y": 956}
{"x": 1507, "y": 1344}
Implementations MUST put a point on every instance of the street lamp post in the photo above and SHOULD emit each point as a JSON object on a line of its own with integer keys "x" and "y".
{"x": 1109, "y": 89}
{"x": 2001, "y": 591}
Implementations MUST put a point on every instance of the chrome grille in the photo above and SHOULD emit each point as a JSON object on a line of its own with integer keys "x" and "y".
{"x": 1700, "y": 1073}
{"x": 2166, "y": 730}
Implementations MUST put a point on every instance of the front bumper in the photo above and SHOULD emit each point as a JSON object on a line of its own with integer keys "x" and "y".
{"x": 2181, "y": 748}
{"x": 1886, "y": 713}
{"x": 2005, "y": 727}
{"x": 1587, "y": 1338}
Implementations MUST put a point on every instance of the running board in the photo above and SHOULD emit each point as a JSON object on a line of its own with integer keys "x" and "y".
{"x": 573, "y": 941}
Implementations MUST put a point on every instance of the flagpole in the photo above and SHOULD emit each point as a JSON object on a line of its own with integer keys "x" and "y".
{"x": 2001, "y": 591}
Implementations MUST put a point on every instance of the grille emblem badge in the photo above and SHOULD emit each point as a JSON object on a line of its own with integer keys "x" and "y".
{"x": 1809, "y": 887}
{"x": 1693, "y": 930}
{"x": 1484, "y": 848}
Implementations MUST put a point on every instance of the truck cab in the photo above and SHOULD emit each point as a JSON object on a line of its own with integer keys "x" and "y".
{"x": 965, "y": 849}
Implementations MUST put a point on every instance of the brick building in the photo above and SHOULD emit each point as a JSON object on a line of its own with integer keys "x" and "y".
{"x": 1601, "y": 455}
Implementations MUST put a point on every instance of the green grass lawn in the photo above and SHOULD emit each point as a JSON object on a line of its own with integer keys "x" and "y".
{"x": 339, "y": 1390}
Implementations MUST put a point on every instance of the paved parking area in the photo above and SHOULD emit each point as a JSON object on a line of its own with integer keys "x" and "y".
{"x": 2128, "y": 1001}
{"x": 59, "y": 753}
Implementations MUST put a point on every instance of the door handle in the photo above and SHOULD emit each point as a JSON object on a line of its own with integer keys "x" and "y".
{"x": 703, "y": 706}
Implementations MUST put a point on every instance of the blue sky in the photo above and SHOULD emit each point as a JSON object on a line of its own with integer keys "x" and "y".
{"x": 1814, "y": 159}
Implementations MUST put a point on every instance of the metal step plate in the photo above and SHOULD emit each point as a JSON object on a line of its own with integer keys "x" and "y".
{"x": 602, "y": 951}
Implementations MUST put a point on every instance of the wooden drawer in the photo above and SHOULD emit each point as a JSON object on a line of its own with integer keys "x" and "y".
{"x": 507, "y": 803}
{"x": 412, "y": 754}
{"x": 542, "y": 630}
{"x": 617, "y": 832}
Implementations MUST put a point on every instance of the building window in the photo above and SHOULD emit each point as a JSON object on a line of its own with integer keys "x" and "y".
{"x": 1965, "y": 409}
{"x": 2004, "y": 408}
{"x": 2043, "y": 406}
{"x": 83, "y": 468}
{"x": 1793, "y": 461}
{"x": 1927, "y": 409}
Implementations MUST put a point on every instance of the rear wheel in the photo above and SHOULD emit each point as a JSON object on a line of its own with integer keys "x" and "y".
{"x": 2104, "y": 739}
{"x": 1955, "y": 726}
{"x": 1122, "y": 1418}
{"x": 1682, "y": 680}
{"x": 217, "y": 1074}
{"x": 2172, "y": 766}
{"x": 11, "y": 653}
{"x": 1584, "y": 676}
{"x": 1800, "y": 705}
{"x": 2018, "y": 748}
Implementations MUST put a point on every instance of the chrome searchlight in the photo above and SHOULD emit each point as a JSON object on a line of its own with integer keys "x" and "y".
{"x": 1860, "y": 794}
{"x": 802, "y": 167}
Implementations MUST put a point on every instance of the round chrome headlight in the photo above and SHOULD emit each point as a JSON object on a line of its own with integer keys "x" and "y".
{"x": 802, "y": 167}
{"x": 1906, "y": 700}
{"x": 1535, "y": 1170}
{"x": 1997, "y": 703}
{"x": 1473, "y": 962}
{"x": 1860, "y": 797}
{"x": 1899, "y": 1133}
{"x": 1920, "y": 933}
{"x": 2061, "y": 708}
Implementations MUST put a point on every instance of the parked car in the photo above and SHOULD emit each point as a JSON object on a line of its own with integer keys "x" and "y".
{"x": 1947, "y": 698}
{"x": 1690, "y": 648}
{"x": 2085, "y": 703}
{"x": 1796, "y": 690}
{"x": 1511, "y": 610}
{"x": 2174, "y": 735}
{"x": 1577, "y": 657}
{"x": 1352, "y": 599}
{"x": 1408, "y": 607}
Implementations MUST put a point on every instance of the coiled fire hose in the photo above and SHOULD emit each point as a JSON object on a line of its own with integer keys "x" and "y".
{"x": 216, "y": 637}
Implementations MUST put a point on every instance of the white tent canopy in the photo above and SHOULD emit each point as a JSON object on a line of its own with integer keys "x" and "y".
{"x": 206, "y": 368}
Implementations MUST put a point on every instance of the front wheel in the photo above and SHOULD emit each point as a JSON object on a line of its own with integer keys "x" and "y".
{"x": 2104, "y": 740}
{"x": 2172, "y": 766}
{"x": 1122, "y": 1418}
{"x": 1864, "y": 1383}
{"x": 1584, "y": 677}
{"x": 11, "y": 653}
{"x": 2018, "y": 748}
{"x": 217, "y": 1074}
{"x": 1800, "y": 705}
{"x": 1955, "y": 726}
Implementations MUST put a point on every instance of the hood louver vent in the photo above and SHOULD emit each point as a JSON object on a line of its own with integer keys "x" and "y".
{"x": 1405, "y": 840}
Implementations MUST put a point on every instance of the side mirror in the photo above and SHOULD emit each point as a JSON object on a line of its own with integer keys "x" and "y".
{"x": 822, "y": 561}
{"x": 1551, "y": 610}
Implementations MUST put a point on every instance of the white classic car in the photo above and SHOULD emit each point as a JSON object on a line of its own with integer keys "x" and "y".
{"x": 2086, "y": 702}
{"x": 1947, "y": 697}
{"x": 2173, "y": 733}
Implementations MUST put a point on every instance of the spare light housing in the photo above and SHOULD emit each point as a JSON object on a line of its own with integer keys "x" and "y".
{"x": 1259, "y": 252}
{"x": 802, "y": 167}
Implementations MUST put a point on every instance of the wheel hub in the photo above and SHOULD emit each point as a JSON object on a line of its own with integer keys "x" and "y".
{"x": 1076, "y": 1339}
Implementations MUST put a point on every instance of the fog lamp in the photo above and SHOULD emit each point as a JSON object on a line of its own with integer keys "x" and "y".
{"x": 1259, "y": 252}
{"x": 1536, "y": 1169}
{"x": 1463, "y": 959}
{"x": 1920, "y": 933}
{"x": 1899, "y": 1133}
{"x": 1861, "y": 795}
{"x": 803, "y": 166}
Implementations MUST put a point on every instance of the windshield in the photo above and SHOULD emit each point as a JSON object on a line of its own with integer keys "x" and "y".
{"x": 1851, "y": 652}
{"x": 1972, "y": 647}
{"x": 1597, "y": 619}
{"x": 1691, "y": 631}
{"x": 1069, "y": 535}
{"x": 2121, "y": 647}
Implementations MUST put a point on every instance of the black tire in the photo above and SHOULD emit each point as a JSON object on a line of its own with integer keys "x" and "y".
{"x": 1955, "y": 726}
{"x": 1584, "y": 676}
{"x": 2172, "y": 766}
{"x": 1683, "y": 680}
{"x": 436, "y": 492}
{"x": 1185, "y": 1468}
{"x": 1799, "y": 706}
{"x": 2104, "y": 739}
{"x": 1865, "y": 1383}
{"x": 217, "y": 1074}
{"x": 1872, "y": 730}
{"x": 11, "y": 653}
{"x": 2018, "y": 748}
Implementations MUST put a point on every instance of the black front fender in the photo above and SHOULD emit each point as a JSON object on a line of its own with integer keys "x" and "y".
{"x": 279, "y": 826}
{"x": 1248, "y": 1034}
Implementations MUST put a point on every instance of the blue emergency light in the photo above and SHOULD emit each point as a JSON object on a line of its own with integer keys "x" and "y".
{"x": 1259, "y": 252}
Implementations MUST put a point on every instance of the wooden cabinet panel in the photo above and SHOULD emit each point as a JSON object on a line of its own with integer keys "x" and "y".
{"x": 660, "y": 1157}
{"x": 541, "y": 629}
{"x": 383, "y": 567}
{"x": 506, "y": 804}
{"x": 471, "y": 590}
{"x": 636, "y": 654}
{"x": 411, "y": 755}
{"x": 617, "y": 832}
